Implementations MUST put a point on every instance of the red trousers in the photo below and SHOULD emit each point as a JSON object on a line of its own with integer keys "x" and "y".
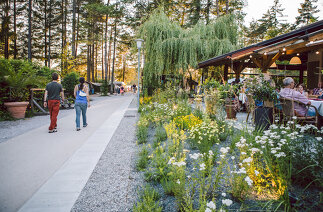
{"x": 53, "y": 107}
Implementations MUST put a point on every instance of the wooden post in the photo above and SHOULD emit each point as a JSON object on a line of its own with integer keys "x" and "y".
{"x": 301, "y": 75}
{"x": 31, "y": 100}
{"x": 225, "y": 77}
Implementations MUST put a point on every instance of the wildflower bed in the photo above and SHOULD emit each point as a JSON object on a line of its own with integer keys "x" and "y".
{"x": 192, "y": 162}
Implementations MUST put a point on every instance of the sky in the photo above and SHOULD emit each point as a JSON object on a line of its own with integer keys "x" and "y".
{"x": 256, "y": 8}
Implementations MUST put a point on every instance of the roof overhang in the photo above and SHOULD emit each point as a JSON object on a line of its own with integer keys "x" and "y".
{"x": 304, "y": 39}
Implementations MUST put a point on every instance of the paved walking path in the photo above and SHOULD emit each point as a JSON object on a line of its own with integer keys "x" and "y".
{"x": 47, "y": 172}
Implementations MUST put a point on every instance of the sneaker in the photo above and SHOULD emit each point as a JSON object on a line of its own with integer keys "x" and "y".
{"x": 78, "y": 129}
{"x": 54, "y": 130}
{"x": 50, "y": 131}
{"x": 85, "y": 125}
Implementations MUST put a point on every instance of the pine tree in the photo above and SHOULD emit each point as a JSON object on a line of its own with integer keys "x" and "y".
{"x": 306, "y": 13}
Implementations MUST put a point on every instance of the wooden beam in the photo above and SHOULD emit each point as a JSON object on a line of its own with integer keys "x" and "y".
{"x": 257, "y": 62}
{"x": 277, "y": 46}
{"x": 273, "y": 59}
{"x": 304, "y": 49}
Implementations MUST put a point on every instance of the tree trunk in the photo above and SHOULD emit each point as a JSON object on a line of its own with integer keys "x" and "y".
{"x": 6, "y": 20}
{"x": 73, "y": 29}
{"x": 226, "y": 6}
{"x": 217, "y": 8}
{"x": 29, "y": 29}
{"x": 45, "y": 32}
{"x": 207, "y": 11}
{"x": 77, "y": 29}
{"x": 15, "y": 51}
{"x": 114, "y": 53}
{"x": 49, "y": 30}
{"x": 109, "y": 54}
{"x": 88, "y": 71}
{"x": 92, "y": 61}
{"x": 62, "y": 45}
{"x": 96, "y": 63}
{"x": 102, "y": 54}
{"x": 124, "y": 67}
{"x": 105, "y": 46}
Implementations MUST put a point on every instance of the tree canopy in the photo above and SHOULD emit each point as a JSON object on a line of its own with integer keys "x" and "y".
{"x": 173, "y": 50}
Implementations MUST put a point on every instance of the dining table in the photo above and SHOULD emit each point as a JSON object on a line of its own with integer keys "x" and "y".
{"x": 318, "y": 103}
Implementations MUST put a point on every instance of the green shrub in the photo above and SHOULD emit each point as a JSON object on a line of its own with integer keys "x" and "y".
{"x": 142, "y": 134}
{"x": 104, "y": 89}
{"x": 69, "y": 83}
{"x": 160, "y": 134}
{"x": 147, "y": 202}
{"x": 143, "y": 159}
{"x": 17, "y": 78}
{"x": 198, "y": 113}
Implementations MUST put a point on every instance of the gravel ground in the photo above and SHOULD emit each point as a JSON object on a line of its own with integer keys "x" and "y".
{"x": 10, "y": 129}
{"x": 114, "y": 182}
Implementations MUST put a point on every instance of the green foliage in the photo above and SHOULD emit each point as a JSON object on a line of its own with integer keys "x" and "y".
{"x": 228, "y": 91}
{"x": 171, "y": 50}
{"x": 104, "y": 89}
{"x": 211, "y": 83}
{"x": 158, "y": 167}
{"x": 307, "y": 161}
{"x": 142, "y": 130}
{"x": 69, "y": 82}
{"x": 198, "y": 113}
{"x": 203, "y": 136}
{"x": 17, "y": 77}
{"x": 143, "y": 158}
{"x": 262, "y": 89}
{"x": 239, "y": 187}
{"x": 147, "y": 202}
{"x": 160, "y": 134}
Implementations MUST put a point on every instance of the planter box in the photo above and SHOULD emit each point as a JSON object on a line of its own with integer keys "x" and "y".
{"x": 17, "y": 109}
{"x": 263, "y": 117}
{"x": 231, "y": 111}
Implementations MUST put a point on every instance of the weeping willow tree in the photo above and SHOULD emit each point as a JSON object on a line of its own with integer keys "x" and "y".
{"x": 172, "y": 50}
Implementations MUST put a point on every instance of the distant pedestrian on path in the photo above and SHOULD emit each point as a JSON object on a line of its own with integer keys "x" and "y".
{"x": 82, "y": 101}
{"x": 134, "y": 88}
{"x": 122, "y": 90}
{"x": 52, "y": 94}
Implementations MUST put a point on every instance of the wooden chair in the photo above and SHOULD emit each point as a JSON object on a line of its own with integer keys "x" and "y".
{"x": 289, "y": 112}
{"x": 251, "y": 107}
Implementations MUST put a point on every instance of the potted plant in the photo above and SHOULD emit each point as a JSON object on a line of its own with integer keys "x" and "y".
{"x": 211, "y": 96}
{"x": 228, "y": 94}
{"x": 265, "y": 96}
{"x": 19, "y": 78}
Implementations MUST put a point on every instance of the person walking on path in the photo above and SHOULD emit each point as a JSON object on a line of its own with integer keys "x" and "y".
{"x": 52, "y": 94}
{"x": 82, "y": 101}
{"x": 134, "y": 88}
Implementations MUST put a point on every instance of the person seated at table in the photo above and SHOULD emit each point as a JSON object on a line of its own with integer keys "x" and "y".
{"x": 289, "y": 92}
{"x": 300, "y": 88}
{"x": 318, "y": 91}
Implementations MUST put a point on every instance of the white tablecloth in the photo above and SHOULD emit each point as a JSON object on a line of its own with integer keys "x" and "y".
{"x": 318, "y": 105}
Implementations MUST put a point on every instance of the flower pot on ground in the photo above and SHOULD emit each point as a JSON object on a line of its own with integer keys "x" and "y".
{"x": 229, "y": 94}
{"x": 231, "y": 108}
{"x": 19, "y": 77}
{"x": 17, "y": 109}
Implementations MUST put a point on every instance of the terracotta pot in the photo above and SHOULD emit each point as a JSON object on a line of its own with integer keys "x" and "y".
{"x": 17, "y": 109}
{"x": 231, "y": 112}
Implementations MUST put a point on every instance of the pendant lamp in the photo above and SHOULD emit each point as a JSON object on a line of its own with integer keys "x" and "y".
{"x": 295, "y": 61}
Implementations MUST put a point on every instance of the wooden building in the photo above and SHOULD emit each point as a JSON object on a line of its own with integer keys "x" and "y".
{"x": 302, "y": 47}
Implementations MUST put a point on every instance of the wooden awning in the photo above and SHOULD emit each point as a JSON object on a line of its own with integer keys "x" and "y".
{"x": 262, "y": 55}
